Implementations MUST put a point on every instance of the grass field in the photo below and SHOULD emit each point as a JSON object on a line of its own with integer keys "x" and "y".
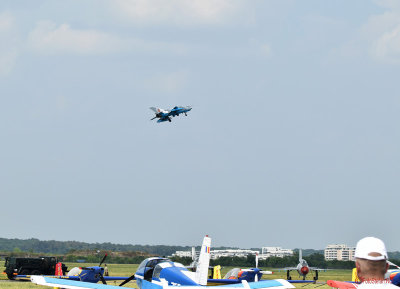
{"x": 129, "y": 269}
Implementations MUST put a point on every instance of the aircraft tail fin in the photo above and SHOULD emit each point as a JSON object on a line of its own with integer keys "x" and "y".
{"x": 204, "y": 261}
{"x": 193, "y": 253}
{"x": 300, "y": 255}
{"x": 155, "y": 109}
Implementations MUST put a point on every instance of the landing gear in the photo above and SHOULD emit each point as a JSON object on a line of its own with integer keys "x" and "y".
{"x": 316, "y": 276}
{"x": 288, "y": 277}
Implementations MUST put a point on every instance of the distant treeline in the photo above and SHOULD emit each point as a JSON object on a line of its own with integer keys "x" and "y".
{"x": 313, "y": 260}
{"x": 64, "y": 247}
{"x": 71, "y": 251}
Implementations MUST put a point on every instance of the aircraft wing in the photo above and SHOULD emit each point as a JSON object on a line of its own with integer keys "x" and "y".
{"x": 68, "y": 284}
{"x": 302, "y": 281}
{"x": 341, "y": 284}
{"x": 319, "y": 269}
{"x": 74, "y": 278}
{"x": 214, "y": 282}
{"x": 114, "y": 278}
{"x": 275, "y": 283}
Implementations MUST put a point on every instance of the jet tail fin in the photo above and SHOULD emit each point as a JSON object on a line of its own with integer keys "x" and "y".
{"x": 300, "y": 255}
{"x": 204, "y": 261}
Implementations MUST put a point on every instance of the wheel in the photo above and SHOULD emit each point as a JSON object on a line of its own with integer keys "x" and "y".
{"x": 25, "y": 272}
{"x": 36, "y": 272}
{"x": 10, "y": 276}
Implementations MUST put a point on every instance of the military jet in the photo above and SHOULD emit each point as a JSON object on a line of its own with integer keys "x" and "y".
{"x": 303, "y": 269}
{"x": 165, "y": 115}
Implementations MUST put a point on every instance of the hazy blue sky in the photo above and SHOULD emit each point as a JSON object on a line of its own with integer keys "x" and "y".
{"x": 293, "y": 139}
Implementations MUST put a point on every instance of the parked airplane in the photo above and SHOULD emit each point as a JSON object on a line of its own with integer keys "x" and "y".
{"x": 92, "y": 274}
{"x": 161, "y": 273}
{"x": 236, "y": 275}
{"x": 165, "y": 115}
{"x": 303, "y": 269}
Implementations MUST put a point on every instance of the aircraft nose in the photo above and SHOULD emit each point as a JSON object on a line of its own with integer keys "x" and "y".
{"x": 304, "y": 270}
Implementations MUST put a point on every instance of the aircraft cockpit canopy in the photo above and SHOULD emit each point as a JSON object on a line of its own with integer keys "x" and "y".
{"x": 232, "y": 274}
{"x": 151, "y": 263}
{"x": 163, "y": 265}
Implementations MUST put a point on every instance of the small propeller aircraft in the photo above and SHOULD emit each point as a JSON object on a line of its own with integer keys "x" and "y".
{"x": 165, "y": 115}
{"x": 303, "y": 269}
{"x": 162, "y": 273}
{"x": 92, "y": 274}
{"x": 236, "y": 275}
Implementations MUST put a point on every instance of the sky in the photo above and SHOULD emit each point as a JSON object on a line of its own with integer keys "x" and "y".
{"x": 293, "y": 139}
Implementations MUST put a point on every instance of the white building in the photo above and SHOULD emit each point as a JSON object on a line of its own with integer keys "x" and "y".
{"x": 183, "y": 254}
{"x": 267, "y": 252}
{"x": 232, "y": 253}
{"x": 339, "y": 252}
{"x": 219, "y": 253}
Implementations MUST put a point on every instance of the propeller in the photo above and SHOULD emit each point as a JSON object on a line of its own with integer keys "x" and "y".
{"x": 102, "y": 279}
{"x": 256, "y": 270}
{"x": 127, "y": 280}
{"x": 102, "y": 260}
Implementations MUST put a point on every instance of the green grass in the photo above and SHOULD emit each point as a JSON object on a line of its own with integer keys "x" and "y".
{"x": 128, "y": 269}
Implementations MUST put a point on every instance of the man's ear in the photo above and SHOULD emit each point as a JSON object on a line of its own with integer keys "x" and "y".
{"x": 387, "y": 267}
{"x": 358, "y": 267}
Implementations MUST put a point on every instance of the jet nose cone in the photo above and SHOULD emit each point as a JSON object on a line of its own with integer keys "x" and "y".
{"x": 304, "y": 270}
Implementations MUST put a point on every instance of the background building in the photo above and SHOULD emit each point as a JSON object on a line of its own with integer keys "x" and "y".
{"x": 220, "y": 253}
{"x": 267, "y": 252}
{"x": 339, "y": 252}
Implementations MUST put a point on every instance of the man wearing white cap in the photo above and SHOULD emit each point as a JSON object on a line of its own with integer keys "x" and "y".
{"x": 371, "y": 263}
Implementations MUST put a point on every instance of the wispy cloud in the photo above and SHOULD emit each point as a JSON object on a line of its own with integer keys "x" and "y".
{"x": 48, "y": 37}
{"x": 171, "y": 82}
{"x": 178, "y": 12}
{"x": 382, "y": 32}
{"x": 8, "y": 43}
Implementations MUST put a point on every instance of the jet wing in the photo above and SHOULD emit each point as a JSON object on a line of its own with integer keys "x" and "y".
{"x": 68, "y": 284}
{"x": 319, "y": 269}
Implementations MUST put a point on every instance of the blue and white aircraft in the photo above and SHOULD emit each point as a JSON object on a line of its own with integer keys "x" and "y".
{"x": 165, "y": 115}
{"x": 236, "y": 275}
{"x": 161, "y": 273}
{"x": 92, "y": 274}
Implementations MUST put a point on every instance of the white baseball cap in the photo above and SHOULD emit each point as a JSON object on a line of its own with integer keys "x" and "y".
{"x": 371, "y": 248}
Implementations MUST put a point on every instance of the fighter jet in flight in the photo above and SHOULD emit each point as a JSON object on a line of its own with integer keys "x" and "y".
{"x": 165, "y": 115}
